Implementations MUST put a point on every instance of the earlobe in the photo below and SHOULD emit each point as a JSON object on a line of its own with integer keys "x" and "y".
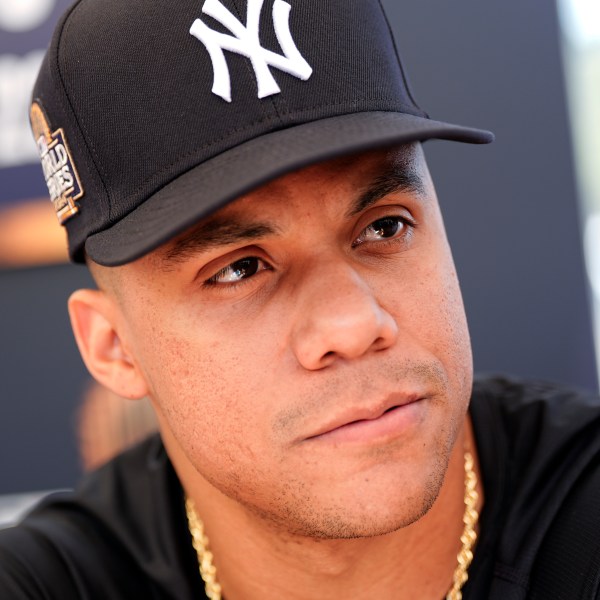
{"x": 94, "y": 320}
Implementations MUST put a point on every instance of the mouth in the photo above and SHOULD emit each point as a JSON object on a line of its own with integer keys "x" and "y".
{"x": 378, "y": 423}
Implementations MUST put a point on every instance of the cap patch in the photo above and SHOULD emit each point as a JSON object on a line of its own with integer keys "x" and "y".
{"x": 245, "y": 41}
{"x": 60, "y": 173}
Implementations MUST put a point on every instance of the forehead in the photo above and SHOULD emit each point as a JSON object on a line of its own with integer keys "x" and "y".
{"x": 354, "y": 172}
{"x": 360, "y": 176}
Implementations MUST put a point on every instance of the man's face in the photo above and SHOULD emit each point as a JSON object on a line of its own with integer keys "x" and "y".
{"x": 306, "y": 347}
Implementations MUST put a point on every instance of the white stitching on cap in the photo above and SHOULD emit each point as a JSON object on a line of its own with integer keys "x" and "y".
{"x": 245, "y": 41}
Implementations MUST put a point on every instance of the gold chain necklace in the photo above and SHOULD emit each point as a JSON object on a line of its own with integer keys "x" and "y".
{"x": 208, "y": 571}
{"x": 469, "y": 534}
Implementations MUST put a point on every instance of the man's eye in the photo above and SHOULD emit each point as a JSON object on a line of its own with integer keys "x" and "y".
{"x": 238, "y": 271}
{"x": 382, "y": 229}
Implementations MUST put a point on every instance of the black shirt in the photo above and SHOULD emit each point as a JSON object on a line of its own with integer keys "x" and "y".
{"x": 123, "y": 533}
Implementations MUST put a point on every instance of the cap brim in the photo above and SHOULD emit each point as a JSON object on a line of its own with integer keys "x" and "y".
{"x": 213, "y": 184}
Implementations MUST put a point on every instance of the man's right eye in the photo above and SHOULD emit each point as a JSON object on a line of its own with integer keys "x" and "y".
{"x": 238, "y": 271}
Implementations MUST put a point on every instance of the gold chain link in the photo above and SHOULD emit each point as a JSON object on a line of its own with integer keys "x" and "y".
{"x": 208, "y": 571}
{"x": 469, "y": 534}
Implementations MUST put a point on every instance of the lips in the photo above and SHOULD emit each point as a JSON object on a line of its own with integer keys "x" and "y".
{"x": 365, "y": 422}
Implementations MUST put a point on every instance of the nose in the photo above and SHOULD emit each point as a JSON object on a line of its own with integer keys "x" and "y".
{"x": 338, "y": 317}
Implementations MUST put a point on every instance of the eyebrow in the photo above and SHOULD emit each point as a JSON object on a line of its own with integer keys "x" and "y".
{"x": 394, "y": 179}
{"x": 215, "y": 233}
{"x": 218, "y": 232}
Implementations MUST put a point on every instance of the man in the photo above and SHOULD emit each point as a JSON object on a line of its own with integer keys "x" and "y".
{"x": 246, "y": 183}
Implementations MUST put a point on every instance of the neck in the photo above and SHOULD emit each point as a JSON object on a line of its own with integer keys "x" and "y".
{"x": 255, "y": 559}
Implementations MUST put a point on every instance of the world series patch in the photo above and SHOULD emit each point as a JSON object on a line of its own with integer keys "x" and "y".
{"x": 59, "y": 169}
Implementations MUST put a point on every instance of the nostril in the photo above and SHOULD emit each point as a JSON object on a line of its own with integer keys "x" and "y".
{"x": 380, "y": 344}
{"x": 327, "y": 359}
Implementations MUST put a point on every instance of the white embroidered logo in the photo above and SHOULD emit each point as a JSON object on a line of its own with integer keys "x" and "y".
{"x": 245, "y": 41}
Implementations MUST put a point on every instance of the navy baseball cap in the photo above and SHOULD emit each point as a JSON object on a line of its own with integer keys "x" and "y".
{"x": 151, "y": 115}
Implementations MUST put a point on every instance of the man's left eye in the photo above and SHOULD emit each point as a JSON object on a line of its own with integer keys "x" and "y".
{"x": 238, "y": 271}
{"x": 382, "y": 229}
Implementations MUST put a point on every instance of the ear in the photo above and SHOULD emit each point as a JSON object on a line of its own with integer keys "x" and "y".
{"x": 94, "y": 318}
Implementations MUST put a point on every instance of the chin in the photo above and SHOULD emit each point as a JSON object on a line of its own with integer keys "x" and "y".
{"x": 360, "y": 523}
{"x": 360, "y": 510}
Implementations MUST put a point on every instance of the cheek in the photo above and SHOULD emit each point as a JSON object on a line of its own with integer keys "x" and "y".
{"x": 457, "y": 349}
{"x": 206, "y": 384}
{"x": 451, "y": 340}
{"x": 430, "y": 313}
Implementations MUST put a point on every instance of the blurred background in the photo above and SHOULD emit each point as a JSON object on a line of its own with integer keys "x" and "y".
{"x": 520, "y": 213}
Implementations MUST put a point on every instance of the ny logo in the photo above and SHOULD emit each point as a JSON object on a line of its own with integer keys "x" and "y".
{"x": 245, "y": 41}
